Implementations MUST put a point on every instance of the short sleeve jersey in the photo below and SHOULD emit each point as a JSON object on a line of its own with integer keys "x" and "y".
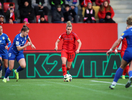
{"x": 18, "y": 41}
{"x": 69, "y": 41}
{"x": 128, "y": 35}
{"x": 4, "y": 39}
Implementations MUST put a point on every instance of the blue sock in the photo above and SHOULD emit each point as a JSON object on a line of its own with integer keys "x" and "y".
{"x": 8, "y": 71}
{"x": 130, "y": 74}
{"x": 118, "y": 74}
{"x": 19, "y": 69}
{"x": 0, "y": 68}
{"x": 5, "y": 69}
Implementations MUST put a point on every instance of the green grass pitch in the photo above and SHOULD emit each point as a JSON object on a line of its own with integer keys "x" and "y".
{"x": 56, "y": 89}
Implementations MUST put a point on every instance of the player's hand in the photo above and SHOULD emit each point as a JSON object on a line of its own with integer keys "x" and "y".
{"x": 108, "y": 52}
{"x": 33, "y": 47}
{"x": 77, "y": 51}
{"x": 116, "y": 51}
{"x": 6, "y": 47}
{"x": 56, "y": 48}
{"x": 29, "y": 43}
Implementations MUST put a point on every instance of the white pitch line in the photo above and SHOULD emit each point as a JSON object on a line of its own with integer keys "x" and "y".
{"x": 107, "y": 82}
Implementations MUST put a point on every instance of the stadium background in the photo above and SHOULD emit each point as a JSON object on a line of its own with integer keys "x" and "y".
{"x": 91, "y": 62}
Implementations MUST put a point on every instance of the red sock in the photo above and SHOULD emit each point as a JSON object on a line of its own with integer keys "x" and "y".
{"x": 64, "y": 69}
{"x": 68, "y": 68}
{"x": 124, "y": 72}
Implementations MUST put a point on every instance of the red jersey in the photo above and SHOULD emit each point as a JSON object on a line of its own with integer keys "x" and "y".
{"x": 69, "y": 41}
{"x": 124, "y": 45}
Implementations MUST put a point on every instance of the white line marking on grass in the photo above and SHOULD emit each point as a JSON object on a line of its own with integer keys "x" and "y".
{"x": 90, "y": 89}
{"x": 107, "y": 82}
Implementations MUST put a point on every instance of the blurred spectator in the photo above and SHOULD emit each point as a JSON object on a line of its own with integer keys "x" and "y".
{"x": 27, "y": 12}
{"x": 70, "y": 15}
{"x": 108, "y": 18}
{"x": 11, "y": 21}
{"x": 21, "y": 3}
{"x": 42, "y": 19}
{"x": 85, "y": 3}
{"x": 1, "y": 19}
{"x": 1, "y": 9}
{"x": 57, "y": 16}
{"x": 74, "y": 3}
{"x": 40, "y": 7}
{"x": 11, "y": 14}
{"x": 54, "y": 4}
{"x": 89, "y": 16}
{"x": 100, "y": 2}
{"x": 25, "y": 21}
{"x": 103, "y": 10}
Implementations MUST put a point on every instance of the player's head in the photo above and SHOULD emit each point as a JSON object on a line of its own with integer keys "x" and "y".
{"x": 68, "y": 27}
{"x": 25, "y": 30}
{"x": 1, "y": 29}
{"x": 129, "y": 20}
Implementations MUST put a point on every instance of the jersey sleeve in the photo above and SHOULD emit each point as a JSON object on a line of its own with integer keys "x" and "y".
{"x": 17, "y": 42}
{"x": 76, "y": 37}
{"x": 7, "y": 39}
{"x": 60, "y": 37}
{"x": 124, "y": 34}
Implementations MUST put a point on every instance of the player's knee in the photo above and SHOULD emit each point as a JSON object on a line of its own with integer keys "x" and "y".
{"x": 23, "y": 65}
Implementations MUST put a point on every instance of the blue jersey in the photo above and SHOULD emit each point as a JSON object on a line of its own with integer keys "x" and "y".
{"x": 18, "y": 41}
{"x": 128, "y": 52}
{"x": 128, "y": 35}
{"x": 4, "y": 39}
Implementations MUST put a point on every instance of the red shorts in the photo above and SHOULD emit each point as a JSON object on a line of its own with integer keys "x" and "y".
{"x": 70, "y": 56}
{"x": 122, "y": 54}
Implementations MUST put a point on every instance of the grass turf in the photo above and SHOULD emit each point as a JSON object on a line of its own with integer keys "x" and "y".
{"x": 56, "y": 89}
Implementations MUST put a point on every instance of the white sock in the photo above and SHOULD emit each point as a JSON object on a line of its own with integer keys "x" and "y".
{"x": 114, "y": 83}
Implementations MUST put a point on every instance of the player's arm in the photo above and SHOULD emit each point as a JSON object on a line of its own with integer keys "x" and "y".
{"x": 79, "y": 45}
{"x": 9, "y": 43}
{"x": 56, "y": 44}
{"x": 19, "y": 48}
{"x": 114, "y": 45}
{"x": 31, "y": 43}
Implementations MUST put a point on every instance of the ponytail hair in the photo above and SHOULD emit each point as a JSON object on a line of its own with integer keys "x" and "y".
{"x": 129, "y": 20}
{"x": 24, "y": 28}
{"x": 68, "y": 24}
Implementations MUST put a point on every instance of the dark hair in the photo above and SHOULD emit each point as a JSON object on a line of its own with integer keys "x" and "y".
{"x": 24, "y": 28}
{"x": 11, "y": 4}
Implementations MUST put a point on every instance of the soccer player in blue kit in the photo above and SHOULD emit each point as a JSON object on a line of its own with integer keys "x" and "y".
{"x": 127, "y": 58}
{"x": 4, "y": 40}
{"x": 16, "y": 52}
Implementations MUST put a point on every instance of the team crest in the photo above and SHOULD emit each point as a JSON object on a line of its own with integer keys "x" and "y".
{"x": 122, "y": 34}
{"x": 3, "y": 38}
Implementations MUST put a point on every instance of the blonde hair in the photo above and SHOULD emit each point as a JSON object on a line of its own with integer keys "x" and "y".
{"x": 68, "y": 24}
{"x": 129, "y": 20}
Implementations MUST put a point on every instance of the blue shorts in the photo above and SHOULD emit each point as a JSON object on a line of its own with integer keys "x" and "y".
{"x": 127, "y": 56}
{"x": 13, "y": 56}
{"x": 4, "y": 56}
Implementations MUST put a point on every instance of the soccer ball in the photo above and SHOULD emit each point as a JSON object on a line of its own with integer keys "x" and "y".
{"x": 69, "y": 78}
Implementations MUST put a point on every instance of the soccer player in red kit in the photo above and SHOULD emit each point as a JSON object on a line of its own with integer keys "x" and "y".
{"x": 68, "y": 48}
{"x": 123, "y": 48}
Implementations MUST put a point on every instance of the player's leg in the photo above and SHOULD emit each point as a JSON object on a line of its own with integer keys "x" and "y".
{"x": 6, "y": 66}
{"x": 9, "y": 69}
{"x": 0, "y": 66}
{"x": 130, "y": 76}
{"x": 21, "y": 60}
{"x": 118, "y": 73}
{"x": 71, "y": 57}
{"x": 124, "y": 71}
